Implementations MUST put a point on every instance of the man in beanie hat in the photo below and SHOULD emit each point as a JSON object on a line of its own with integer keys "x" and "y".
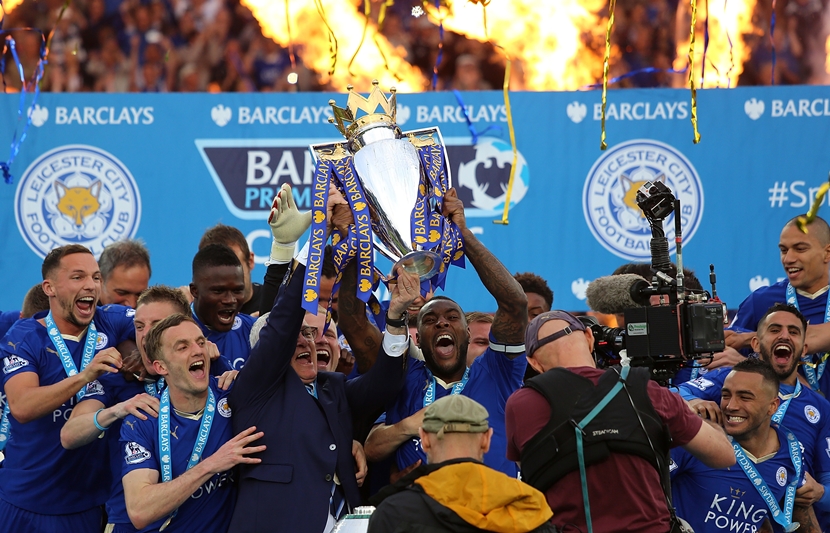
{"x": 455, "y": 491}
{"x": 619, "y": 445}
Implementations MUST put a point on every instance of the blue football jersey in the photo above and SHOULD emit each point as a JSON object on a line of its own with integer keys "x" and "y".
{"x": 756, "y": 304}
{"x": 234, "y": 345}
{"x": 207, "y": 510}
{"x": 37, "y": 468}
{"x": 493, "y": 378}
{"x": 807, "y": 416}
{"x": 717, "y": 500}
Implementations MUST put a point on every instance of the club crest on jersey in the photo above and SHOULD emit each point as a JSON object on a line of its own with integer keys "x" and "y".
{"x": 135, "y": 453}
{"x": 812, "y": 414}
{"x": 223, "y": 407}
{"x": 701, "y": 383}
{"x": 237, "y": 322}
{"x": 12, "y": 363}
{"x": 76, "y": 194}
{"x": 94, "y": 388}
{"x": 102, "y": 341}
{"x": 609, "y": 196}
{"x": 781, "y": 476}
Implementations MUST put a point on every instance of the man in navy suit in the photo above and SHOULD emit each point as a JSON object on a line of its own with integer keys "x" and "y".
{"x": 306, "y": 479}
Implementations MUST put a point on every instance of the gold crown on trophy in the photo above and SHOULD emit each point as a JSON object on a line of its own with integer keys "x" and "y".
{"x": 346, "y": 119}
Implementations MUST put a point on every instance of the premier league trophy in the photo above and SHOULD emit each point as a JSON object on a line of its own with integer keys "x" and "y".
{"x": 394, "y": 183}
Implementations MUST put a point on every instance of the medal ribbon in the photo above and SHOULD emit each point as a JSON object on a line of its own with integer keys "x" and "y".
{"x": 812, "y": 374}
{"x": 784, "y": 518}
{"x": 317, "y": 238}
{"x": 63, "y": 352}
{"x": 429, "y": 396}
{"x": 782, "y": 409}
{"x": 346, "y": 175}
{"x": 166, "y": 459}
{"x": 5, "y": 427}
{"x": 154, "y": 389}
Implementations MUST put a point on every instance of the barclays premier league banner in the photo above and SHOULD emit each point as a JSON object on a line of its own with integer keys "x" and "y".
{"x": 95, "y": 168}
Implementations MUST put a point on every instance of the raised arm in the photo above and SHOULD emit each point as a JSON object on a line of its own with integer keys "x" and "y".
{"x": 28, "y": 400}
{"x": 363, "y": 336}
{"x": 510, "y": 320}
{"x": 270, "y": 359}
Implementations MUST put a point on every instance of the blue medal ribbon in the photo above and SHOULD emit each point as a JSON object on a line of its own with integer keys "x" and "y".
{"x": 429, "y": 395}
{"x": 154, "y": 388}
{"x": 346, "y": 176}
{"x": 63, "y": 352}
{"x": 784, "y": 518}
{"x": 782, "y": 408}
{"x": 165, "y": 456}
{"x": 5, "y": 427}
{"x": 317, "y": 238}
{"x": 812, "y": 374}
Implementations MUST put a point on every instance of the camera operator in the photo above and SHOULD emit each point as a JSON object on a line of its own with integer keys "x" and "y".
{"x": 624, "y": 448}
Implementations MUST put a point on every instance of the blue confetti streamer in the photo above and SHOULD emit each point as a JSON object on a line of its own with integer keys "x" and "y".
{"x": 440, "y": 46}
{"x": 470, "y": 127}
{"x": 645, "y": 70}
{"x": 772, "y": 43}
{"x": 9, "y": 43}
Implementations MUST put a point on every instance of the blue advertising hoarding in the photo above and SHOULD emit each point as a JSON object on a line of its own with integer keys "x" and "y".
{"x": 98, "y": 167}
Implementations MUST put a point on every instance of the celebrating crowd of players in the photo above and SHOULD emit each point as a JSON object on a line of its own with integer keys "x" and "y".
{"x": 136, "y": 408}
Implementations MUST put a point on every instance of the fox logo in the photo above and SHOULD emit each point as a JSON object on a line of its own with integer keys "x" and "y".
{"x": 624, "y": 198}
{"x": 78, "y": 203}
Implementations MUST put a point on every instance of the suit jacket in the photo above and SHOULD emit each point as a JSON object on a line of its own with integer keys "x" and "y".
{"x": 308, "y": 440}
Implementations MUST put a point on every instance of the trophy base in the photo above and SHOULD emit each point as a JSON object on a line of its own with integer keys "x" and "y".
{"x": 421, "y": 262}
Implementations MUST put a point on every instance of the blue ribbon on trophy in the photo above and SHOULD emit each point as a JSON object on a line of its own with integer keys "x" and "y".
{"x": 394, "y": 183}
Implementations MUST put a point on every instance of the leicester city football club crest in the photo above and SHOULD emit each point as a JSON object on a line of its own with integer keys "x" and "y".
{"x": 609, "y": 196}
{"x": 223, "y": 407}
{"x": 101, "y": 341}
{"x": 812, "y": 414}
{"x": 781, "y": 476}
{"x": 76, "y": 194}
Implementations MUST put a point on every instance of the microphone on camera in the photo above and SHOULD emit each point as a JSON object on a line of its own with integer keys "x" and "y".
{"x": 614, "y": 294}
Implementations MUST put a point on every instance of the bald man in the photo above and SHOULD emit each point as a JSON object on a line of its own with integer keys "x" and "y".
{"x": 806, "y": 261}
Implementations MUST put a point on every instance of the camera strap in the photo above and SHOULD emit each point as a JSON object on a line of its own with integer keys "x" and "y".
{"x": 579, "y": 430}
{"x": 812, "y": 372}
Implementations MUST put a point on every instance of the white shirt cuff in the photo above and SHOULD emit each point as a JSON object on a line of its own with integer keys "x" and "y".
{"x": 395, "y": 345}
{"x": 302, "y": 257}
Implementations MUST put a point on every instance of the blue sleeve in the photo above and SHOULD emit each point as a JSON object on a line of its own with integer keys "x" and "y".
{"x": 120, "y": 321}
{"x": 138, "y": 445}
{"x": 824, "y": 503}
{"x": 679, "y": 461}
{"x": 18, "y": 357}
{"x": 706, "y": 387}
{"x": 821, "y": 456}
{"x": 507, "y": 373}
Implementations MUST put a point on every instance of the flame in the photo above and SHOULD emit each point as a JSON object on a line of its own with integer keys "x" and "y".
{"x": 827, "y": 51}
{"x": 724, "y": 64}
{"x": 9, "y": 5}
{"x": 551, "y": 38}
{"x": 309, "y": 34}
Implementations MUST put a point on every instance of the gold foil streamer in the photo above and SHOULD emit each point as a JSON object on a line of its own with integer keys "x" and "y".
{"x": 332, "y": 37}
{"x": 804, "y": 221}
{"x": 45, "y": 58}
{"x": 611, "y": 5}
{"x": 367, "y": 11}
{"x": 693, "y": 5}
{"x": 506, "y": 88}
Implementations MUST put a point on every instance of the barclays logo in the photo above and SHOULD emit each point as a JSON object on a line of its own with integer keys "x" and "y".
{"x": 39, "y": 115}
{"x": 576, "y": 112}
{"x": 754, "y": 108}
{"x": 221, "y": 115}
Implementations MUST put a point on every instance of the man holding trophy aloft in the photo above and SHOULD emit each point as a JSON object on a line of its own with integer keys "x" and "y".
{"x": 398, "y": 184}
